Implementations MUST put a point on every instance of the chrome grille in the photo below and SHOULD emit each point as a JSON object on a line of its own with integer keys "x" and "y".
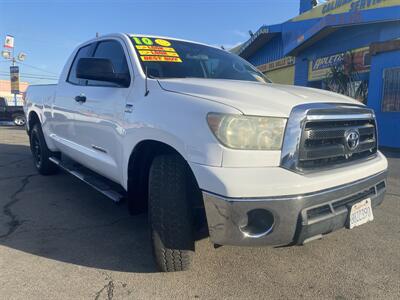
{"x": 323, "y": 136}
{"x": 323, "y": 142}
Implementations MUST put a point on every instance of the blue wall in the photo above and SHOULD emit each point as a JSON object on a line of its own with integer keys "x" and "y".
{"x": 388, "y": 122}
{"x": 273, "y": 50}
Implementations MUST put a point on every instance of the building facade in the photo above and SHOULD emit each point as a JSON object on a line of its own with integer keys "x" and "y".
{"x": 359, "y": 39}
{"x": 5, "y": 92}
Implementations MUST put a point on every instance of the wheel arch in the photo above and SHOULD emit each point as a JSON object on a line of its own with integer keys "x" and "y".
{"x": 138, "y": 169}
{"x": 33, "y": 118}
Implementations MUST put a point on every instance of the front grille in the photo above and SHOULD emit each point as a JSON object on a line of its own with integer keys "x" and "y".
{"x": 335, "y": 205}
{"x": 328, "y": 135}
{"x": 323, "y": 142}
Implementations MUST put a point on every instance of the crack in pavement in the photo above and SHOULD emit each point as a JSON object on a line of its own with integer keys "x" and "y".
{"x": 17, "y": 176}
{"x": 108, "y": 288}
{"x": 14, "y": 223}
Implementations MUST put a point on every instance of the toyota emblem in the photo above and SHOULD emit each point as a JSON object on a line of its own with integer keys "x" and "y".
{"x": 352, "y": 138}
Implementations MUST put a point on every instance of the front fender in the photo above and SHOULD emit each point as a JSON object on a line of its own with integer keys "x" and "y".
{"x": 179, "y": 121}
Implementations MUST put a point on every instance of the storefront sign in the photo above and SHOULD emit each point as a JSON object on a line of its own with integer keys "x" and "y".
{"x": 321, "y": 67}
{"x": 244, "y": 46}
{"x": 354, "y": 6}
{"x": 14, "y": 76}
{"x": 344, "y": 6}
{"x": 277, "y": 64}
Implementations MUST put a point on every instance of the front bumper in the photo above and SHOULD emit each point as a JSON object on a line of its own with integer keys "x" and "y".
{"x": 284, "y": 220}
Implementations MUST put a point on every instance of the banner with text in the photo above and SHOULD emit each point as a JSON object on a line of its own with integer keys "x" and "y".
{"x": 320, "y": 68}
{"x": 14, "y": 76}
{"x": 277, "y": 64}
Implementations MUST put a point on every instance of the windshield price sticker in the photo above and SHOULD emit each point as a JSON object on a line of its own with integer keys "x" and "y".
{"x": 161, "y": 58}
{"x": 150, "y": 49}
{"x": 159, "y": 53}
{"x": 156, "y": 48}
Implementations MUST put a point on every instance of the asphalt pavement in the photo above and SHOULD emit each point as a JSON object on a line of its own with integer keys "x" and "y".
{"x": 60, "y": 239}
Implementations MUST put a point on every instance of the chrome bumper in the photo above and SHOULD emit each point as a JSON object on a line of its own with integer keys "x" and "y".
{"x": 285, "y": 220}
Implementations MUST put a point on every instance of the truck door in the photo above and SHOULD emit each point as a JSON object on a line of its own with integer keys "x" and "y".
{"x": 63, "y": 108}
{"x": 98, "y": 119}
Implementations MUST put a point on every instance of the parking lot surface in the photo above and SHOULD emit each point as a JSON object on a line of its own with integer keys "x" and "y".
{"x": 60, "y": 239}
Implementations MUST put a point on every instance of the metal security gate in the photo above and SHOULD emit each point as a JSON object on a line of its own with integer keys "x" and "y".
{"x": 391, "y": 90}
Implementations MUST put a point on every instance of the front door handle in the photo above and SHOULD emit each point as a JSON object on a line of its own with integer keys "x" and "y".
{"x": 80, "y": 98}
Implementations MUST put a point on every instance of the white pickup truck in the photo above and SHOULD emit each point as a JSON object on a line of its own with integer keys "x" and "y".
{"x": 200, "y": 139}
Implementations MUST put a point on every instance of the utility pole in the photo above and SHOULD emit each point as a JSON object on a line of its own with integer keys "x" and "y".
{"x": 14, "y": 70}
{"x": 13, "y": 65}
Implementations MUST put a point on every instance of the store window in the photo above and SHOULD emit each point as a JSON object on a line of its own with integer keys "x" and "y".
{"x": 391, "y": 90}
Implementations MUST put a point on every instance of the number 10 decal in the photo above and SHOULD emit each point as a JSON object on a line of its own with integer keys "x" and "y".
{"x": 143, "y": 41}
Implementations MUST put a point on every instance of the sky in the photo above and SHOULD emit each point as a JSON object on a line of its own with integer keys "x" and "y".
{"x": 49, "y": 30}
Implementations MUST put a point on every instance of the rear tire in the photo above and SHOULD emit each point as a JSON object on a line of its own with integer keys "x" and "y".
{"x": 41, "y": 153}
{"x": 170, "y": 213}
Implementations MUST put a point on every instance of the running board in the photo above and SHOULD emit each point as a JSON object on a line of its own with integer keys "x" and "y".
{"x": 99, "y": 183}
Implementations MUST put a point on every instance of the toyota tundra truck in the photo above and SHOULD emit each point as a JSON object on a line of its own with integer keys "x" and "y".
{"x": 205, "y": 144}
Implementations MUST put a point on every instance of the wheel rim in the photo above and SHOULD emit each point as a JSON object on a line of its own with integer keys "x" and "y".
{"x": 19, "y": 121}
{"x": 36, "y": 151}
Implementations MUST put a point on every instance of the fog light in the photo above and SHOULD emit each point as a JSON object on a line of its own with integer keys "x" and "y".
{"x": 259, "y": 223}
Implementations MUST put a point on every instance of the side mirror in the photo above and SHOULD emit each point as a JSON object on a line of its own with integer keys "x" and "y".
{"x": 100, "y": 69}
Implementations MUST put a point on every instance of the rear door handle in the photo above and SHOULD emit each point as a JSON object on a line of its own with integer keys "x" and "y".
{"x": 80, "y": 98}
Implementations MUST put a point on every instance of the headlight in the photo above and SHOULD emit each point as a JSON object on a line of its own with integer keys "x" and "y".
{"x": 247, "y": 132}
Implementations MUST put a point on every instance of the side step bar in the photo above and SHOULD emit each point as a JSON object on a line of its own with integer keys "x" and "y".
{"x": 97, "y": 182}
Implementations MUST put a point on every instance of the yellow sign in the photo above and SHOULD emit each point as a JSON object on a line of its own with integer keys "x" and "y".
{"x": 161, "y": 58}
{"x": 156, "y": 48}
{"x": 282, "y": 75}
{"x": 334, "y": 7}
{"x": 162, "y": 42}
{"x": 149, "y": 52}
{"x": 277, "y": 64}
{"x": 160, "y": 53}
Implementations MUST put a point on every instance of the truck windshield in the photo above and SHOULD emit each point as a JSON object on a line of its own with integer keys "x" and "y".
{"x": 177, "y": 59}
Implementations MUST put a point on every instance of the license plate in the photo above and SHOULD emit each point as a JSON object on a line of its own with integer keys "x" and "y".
{"x": 361, "y": 213}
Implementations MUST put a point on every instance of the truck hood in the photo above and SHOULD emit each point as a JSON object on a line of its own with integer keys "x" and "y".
{"x": 252, "y": 98}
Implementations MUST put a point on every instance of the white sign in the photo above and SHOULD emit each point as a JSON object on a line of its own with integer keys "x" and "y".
{"x": 9, "y": 42}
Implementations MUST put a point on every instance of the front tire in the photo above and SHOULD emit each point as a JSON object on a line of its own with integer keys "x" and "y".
{"x": 41, "y": 153}
{"x": 170, "y": 213}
